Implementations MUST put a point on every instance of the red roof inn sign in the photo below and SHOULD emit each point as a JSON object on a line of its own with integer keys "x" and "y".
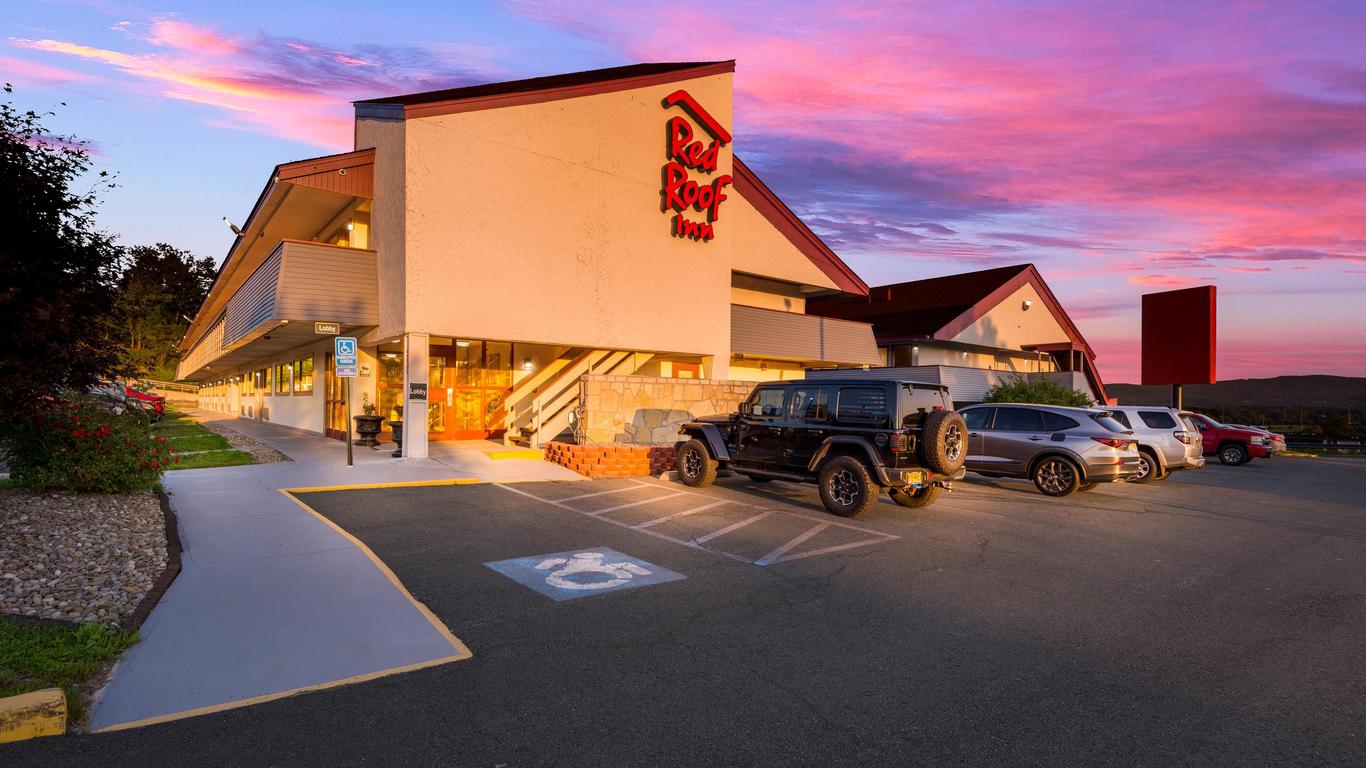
{"x": 689, "y": 150}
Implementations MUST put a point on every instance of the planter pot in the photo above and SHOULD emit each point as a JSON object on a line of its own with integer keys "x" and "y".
{"x": 367, "y": 429}
{"x": 397, "y": 426}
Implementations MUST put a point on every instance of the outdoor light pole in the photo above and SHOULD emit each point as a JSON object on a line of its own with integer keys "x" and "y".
{"x": 1176, "y": 396}
{"x": 346, "y": 409}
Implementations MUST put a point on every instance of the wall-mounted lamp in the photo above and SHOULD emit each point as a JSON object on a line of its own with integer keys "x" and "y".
{"x": 350, "y": 225}
{"x": 236, "y": 230}
{"x": 1026, "y": 304}
{"x": 526, "y": 364}
{"x": 462, "y": 343}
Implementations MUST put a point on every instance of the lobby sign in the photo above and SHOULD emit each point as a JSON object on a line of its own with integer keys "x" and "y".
{"x": 327, "y": 329}
{"x": 690, "y": 149}
{"x": 417, "y": 390}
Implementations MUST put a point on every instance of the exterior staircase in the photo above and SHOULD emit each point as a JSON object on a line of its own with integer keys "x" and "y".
{"x": 541, "y": 407}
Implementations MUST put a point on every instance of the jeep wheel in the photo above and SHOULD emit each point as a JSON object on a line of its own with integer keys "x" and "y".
{"x": 1056, "y": 476}
{"x": 915, "y": 498}
{"x": 943, "y": 441}
{"x": 1147, "y": 468}
{"x": 1233, "y": 454}
{"x": 696, "y": 467}
{"x": 847, "y": 489}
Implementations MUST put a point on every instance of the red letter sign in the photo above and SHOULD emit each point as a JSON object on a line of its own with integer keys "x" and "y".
{"x": 685, "y": 152}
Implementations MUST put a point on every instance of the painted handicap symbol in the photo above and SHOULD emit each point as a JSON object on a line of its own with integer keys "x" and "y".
{"x": 582, "y": 572}
{"x": 589, "y": 563}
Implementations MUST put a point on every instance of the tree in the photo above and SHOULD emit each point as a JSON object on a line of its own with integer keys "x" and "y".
{"x": 59, "y": 270}
{"x": 159, "y": 288}
{"x": 1041, "y": 391}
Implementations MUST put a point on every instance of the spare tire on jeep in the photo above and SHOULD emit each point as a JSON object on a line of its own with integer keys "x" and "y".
{"x": 943, "y": 441}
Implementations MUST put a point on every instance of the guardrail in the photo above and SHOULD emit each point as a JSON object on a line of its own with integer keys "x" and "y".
{"x": 171, "y": 386}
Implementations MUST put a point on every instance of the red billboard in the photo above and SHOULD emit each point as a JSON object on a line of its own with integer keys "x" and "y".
{"x": 1178, "y": 336}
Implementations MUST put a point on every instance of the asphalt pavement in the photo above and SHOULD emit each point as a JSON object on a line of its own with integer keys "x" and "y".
{"x": 1217, "y": 618}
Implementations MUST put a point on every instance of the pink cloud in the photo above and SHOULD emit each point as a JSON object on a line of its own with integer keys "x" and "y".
{"x": 276, "y": 86}
{"x": 22, "y": 71}
{"x": 1163, "y": 281}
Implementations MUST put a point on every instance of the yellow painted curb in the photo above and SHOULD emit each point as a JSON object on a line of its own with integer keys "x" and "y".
{"x": 517, "y": 453}
{"x": 367, "y": 486}
{"x": 34, "y": 714}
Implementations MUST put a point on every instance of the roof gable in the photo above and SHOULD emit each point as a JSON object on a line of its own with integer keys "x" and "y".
{"x": 536, "y": 89}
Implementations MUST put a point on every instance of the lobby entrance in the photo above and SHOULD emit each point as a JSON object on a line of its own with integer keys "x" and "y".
{"x": 467, "y": 384}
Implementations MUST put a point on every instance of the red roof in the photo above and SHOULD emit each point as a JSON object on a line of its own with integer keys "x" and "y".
{"x": 537, "y": 89}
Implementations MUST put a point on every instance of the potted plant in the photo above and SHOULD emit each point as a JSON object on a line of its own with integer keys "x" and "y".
{"x": 397, "y": 426}
{"x": 369, "y": 423}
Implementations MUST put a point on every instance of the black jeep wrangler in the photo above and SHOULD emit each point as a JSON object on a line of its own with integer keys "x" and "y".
{"x": 853, "y": 437}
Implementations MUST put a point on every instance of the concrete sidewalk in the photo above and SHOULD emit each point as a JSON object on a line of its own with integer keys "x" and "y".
{"x": 272, "y": 598}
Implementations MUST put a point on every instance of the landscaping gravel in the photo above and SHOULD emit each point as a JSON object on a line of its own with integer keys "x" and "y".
{"x": 90, "y": 557}
{"x": 263, "y": 453}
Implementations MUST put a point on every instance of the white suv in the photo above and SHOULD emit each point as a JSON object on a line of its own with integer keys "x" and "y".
{"x": 1166, "y": 440}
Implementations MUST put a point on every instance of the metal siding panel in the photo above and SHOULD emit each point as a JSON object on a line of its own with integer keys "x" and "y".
{"x": 254, "y": 303}
{"x": 789, "y": 335}
{"x": 325, "y": 282}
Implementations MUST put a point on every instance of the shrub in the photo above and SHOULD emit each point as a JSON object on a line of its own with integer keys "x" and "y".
{"x": 77, "y": 443}
{"x": 1018, "y": 389}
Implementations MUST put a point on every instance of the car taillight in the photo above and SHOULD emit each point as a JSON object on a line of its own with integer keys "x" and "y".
{"x": 900, "y": 441}
{"x": 1113, "y": 442}
{"x": 1184, "y": 437}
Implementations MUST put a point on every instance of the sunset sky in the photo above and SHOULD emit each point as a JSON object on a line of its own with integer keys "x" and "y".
{"x": 1123, "y": 147}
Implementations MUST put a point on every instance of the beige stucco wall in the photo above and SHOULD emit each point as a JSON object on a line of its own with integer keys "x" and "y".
{"x": 1007, "y": 325}
{"x": 649, "y": 410}
{"x": 387, "y": 217}
{"x": 760, "y": 249}
{"x": 752, "y": 298}
{"x": 541, "y": 223}
{"x": 772, "y": 370}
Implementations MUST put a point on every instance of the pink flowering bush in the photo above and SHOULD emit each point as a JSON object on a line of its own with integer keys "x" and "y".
{"x": 78, "y": 443}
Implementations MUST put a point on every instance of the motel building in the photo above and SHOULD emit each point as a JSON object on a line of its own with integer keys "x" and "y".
{"x": 493, "y": 246}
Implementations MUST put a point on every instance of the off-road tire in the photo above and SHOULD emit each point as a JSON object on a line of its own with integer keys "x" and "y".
{"x": 916, "y": 498}
{"x": 1233, "y": 454}
{"x": 759, "y": 478}
{"x": 1154, "y": 472}
{"x": 943, "y": 442}
{"x": 696, "y": 468}
{"x": 847, "y": 490}
{"x": 1056, "y": 476}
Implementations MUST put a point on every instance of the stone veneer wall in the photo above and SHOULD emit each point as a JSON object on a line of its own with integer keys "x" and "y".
{"x": 647, "y": 410}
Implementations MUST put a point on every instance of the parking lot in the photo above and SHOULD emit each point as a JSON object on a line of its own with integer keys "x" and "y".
{"x": 1217, "y": 618}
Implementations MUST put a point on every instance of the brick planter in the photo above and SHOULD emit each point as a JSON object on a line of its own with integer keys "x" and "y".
{"x": 612, "y": 460}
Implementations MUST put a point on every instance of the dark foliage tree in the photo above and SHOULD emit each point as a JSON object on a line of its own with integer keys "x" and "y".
{"x": 58, "y": 270}
{"x": 160, "y": 287}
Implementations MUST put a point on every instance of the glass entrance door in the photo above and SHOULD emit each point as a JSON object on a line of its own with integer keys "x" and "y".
{"x": 334, "y": 423}
{"x": 466, "y": 385}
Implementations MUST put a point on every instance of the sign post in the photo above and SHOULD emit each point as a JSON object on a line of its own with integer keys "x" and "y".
{"x": 345, "y": 358}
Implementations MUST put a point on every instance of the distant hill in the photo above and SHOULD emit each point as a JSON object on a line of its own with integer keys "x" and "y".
{"x": 1280, "y": 392}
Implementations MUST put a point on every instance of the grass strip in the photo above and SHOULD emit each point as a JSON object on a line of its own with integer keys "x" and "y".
{"x": 229, "y": 458}
{"x": 36, "y": 656}
{"x": 205, "y": 442}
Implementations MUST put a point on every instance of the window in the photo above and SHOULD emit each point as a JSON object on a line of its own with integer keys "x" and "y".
{"x": 282, "y": 378}
{"x": 1056, "y": 422}
{"x": 766, "y": 402}
{"x": 905, "y": 355}
{"x": 1122, "y": 418}
{"x": 1019, "y": 420}
{"x": 866, "y": 405}
{"x": 268, "y": 380}
{"x": 977, "y": 418}
{"x": 811, "y": 405}
{"x": 1157, "y": 419}
{"x": 303, "y": 376}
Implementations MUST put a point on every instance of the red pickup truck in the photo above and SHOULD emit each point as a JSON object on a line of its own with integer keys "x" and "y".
{"x": 156, "y": 403}
{"x": 1233, "y": 445}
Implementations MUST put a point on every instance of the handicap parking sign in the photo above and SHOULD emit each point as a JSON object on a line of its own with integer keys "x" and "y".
{"x": 582, "y": 572}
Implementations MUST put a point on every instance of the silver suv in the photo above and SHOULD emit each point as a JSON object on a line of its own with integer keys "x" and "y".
{"x": 1166, "y": 441}
{"x": 1062, "y": 450}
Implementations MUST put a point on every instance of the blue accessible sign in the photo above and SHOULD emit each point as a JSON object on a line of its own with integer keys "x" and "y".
{"x": 582, "y": 572}
{"x": 345, "y": 357}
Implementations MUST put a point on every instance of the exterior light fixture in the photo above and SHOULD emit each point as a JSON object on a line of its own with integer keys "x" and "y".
{"x": 462, "y": 343}
{"x": 1026, "y": 304}
{"x": 526, "y": 364}
{"x": 236, "y": 230}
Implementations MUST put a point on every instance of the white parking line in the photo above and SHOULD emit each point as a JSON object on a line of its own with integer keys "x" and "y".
{"x": 772, "y": 556}
{"x": 684, "y": 513}
{"x": 779, "y": 555}
{"x": 596, "y": 512}
{"x": 602, "y": 493}
{"x": 733, "y": 527}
